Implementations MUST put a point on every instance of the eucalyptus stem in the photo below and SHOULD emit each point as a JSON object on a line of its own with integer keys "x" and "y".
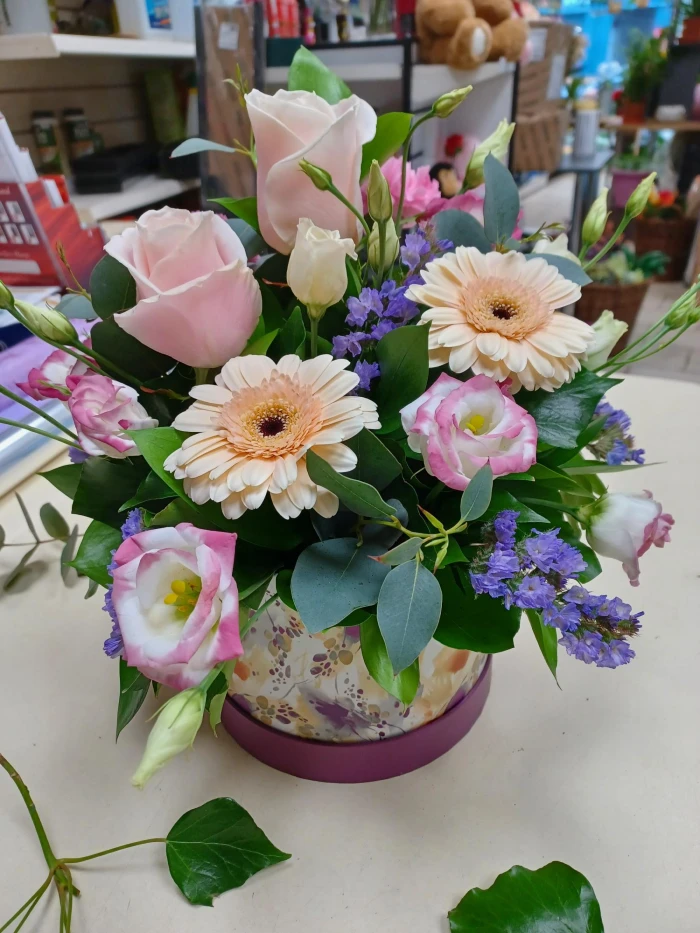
{"x": 33, "y": 430}
{"x": 404, "y": 167}
{"x": 33, "y": 813}
{"x": 37, "y": 411}
{"x": 621, "y": 227}
{"x": 128, "y": 845}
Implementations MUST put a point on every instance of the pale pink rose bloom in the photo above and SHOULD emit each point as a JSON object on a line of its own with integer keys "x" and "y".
{"x": 198, "y": 301}
{"x": 177, "y": 603}
{"x": 49, "y": 379}
{"x": 293, "y": 125}
{"x": 103, "y": 410}
{"x": 459, "y": 427}
{"x": 421, "y": 189}
{"x": 625, "y": 526}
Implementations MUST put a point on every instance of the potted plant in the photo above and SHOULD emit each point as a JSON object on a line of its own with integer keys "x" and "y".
{"x": 646, "y": 67}
{"x": 664, "y": 227}
{"x": 628, "y": 169}
{"x": 691, "y": 23}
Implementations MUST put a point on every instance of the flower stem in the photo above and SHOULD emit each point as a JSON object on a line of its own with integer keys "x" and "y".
{"x": 122, "y": 373}
{"x": 621, "y": 227}
{"x": 313, "y": 325}
{"x": 37, "y": 411}
{"x": 351, "y": 207}
{"x": 201, "y": 374}
{"x": 245, "y": 626}
{"x": 404, "y": 167}
{"x": 128, "y": 845}
{"x": 26, "y": 427}
{"x": 33, "y": 813}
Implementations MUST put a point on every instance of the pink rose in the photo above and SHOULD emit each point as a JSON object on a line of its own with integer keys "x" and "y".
{"x": 103, "y": 410}
{"x": 49, "y": 379}
{"x": 625, "y": 526}
{"x": 198, "y": 301}
{"x": 293, "y": 125}
{"x": 459, "y": 427}
{"x": 177, "y": 603}
{"x": 421, "y": 189}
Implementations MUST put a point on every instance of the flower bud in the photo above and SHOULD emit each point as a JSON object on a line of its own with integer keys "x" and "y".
{"x": 316, "y": 272}
{"x": 175, "y": 729}
{"x": 639, "y": 197}
{"x": 391, "y": 247}
{"x": 379, "y": 203}
{"x": 319, "y": 176}
{"x": 685, "y": 311}
{"x": 6, "y": 298}
{"x": 596, "y": 219}
{"x": 497, "y": 144}
{"x": 48, "y": 323}
{"x": 607, "y": 331}
{"x": 448, "y": 103}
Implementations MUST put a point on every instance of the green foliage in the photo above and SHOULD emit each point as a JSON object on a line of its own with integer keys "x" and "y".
{"x": 260, "y": 346}
{"x": 308, "y": 73}
{"x": 65, "y": 478}
{"x": 408, "y": 611}
{"x": 376, "y": 464}
{"x": 552, "y": 899}
{"x": 333, "y": 577}
{"x": 501, "y": 499}
{"x": 468, "y": 621}
{"x": 477, "y": 496}
{"x": 104, "y": 485}
{"x": 127, "y": 352}
{"x": 404, "y": 685}
{"x": 151, "y": 489}
{"x": 462, "y": 229}
{"x": 195, "y": 144}
{"x": 624, "y": 267}
{"x": 403, "y": 552}
{"x": 253, "y": 243}
{"x": 562, "y": 415}
{"x": 283, "y": 582}
{"x": 76, "y": 306}
{"x": 357, "y": 496}
{"x": 217, "y": 847}
{"x": 112, "y": 289}
{"x": 54, "y": 523}
{"x": 546, "y": 637}
{"x": 392, "y": 130}
{"x": 245, "y": 208}
{"x": 292, "y": 336}
{"x": 95, "y": 552}
{"x": 403, "y": 362}
{"x": 133, "y": 690}
{"x": 501, "y": 201}
{"x": 68, "y": 575}
{"x": 646, "y": 67}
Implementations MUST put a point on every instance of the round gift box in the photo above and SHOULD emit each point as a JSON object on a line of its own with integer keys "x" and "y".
{"x": 306, "y": 704}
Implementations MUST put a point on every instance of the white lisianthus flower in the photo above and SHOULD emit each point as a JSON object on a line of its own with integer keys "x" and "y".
{"x": 607, "y": 331}
{"x": 316, "y": 273}
{"x": 496, "y": 144}
{"x": 559, "y": 246}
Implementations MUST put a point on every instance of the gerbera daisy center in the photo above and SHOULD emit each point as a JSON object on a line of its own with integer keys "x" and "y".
{"x": 272, "y": 418}
{"x": 505, "y": 306}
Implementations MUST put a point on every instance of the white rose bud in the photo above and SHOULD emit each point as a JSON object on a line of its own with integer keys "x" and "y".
{"x": 607, "y": 331}
{"x": 316, "y": 273}
{"x": 48, "y": 323}
{"x": 379, "y": 204}
{"x": 497, "y": 144}
{"x": 175, "y": 729}
{"x": 596, "y": 219}
{"x": 391, "y": 247}
{"x": 640, "y": 196}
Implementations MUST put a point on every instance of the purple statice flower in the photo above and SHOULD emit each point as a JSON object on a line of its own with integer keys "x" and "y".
{"x": 360, "y": 308}
{"x": 586, "y": 648}
{"x": 615, "y": 653}
{"x": 504, "y": 526}
{"x": 382, "y": 328}
{"x": 399, "y": 307}
{"x": 616, "y": 417}
{"x": 444, "y": 246}
{"x": 133, "y": 524}
{"x": 351, "y": 343}
{"x": 416, "y": 247}
{"x": 534, "y": 592}
{"x": 503, "y": 564}
{"x": 565, "y": 617}
{"x": 76, "y": 455}
{"x": 615, "y": 444}
{"x": 550, "y": 554}
{"x": 114, "y": 645}
{"x": 367, "y": 372}
{"x": 485, "y": 584}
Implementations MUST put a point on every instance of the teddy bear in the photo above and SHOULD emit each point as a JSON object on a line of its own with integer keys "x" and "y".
{"x": 465, "y": 33}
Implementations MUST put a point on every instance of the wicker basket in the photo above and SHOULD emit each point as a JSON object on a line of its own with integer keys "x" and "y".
{"x": 623, "y": 300}
{"x": 538, "y": 140}
{"x": 673, "y": 236}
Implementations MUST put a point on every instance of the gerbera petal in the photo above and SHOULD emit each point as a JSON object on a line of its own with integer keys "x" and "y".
{"x": 340, "y": 457}
{"x": 460, "y": 358}
{"x": 327, "y": 503}
{"x": 492, "y": 345}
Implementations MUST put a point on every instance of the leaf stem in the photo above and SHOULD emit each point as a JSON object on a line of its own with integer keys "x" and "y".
{"x": 26, "y": 427}
{"x": 33, "y": 813}
{"x": 621, "y": 227}
{"x": 37, "y": 411}
{"x": 258, "y": 612}
{"x": 30, "y": 903}
{"x": 128, "y": 845}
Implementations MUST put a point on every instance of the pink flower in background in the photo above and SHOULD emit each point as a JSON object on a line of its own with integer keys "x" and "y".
{"x": 177, "y": 602}
{"x": 198, "y": 301}
{"x": 471, "y": 202}
{"x": 459, "y": 427}
{"x": 625, "y": 526}
{"x": 103, "y": 410}
{"x": 49, "y": 379}
{"x": 421, "y": 189}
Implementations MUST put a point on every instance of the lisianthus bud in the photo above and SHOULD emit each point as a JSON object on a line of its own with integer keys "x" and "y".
{"x": 640, "y": 196}
{"x": 319, "y": 176}
{"x": 685, "y": 311}
{"x": 6, "y": 298}
{"x": 379, "y": 203}
{"x": 175, "y": 729}
{"x": 607, "y": 331}
{"x": 497, "y": 144}
{"x": 596, "y": 219}
{"x": 449, "y": 102}
{"x": 48, "y": 323}
{"x": 391, "y": 247}
{"x": 316, "y": 272}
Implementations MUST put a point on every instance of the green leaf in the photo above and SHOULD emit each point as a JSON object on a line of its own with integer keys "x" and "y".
{"x": 359, "y": 497}
{"x": 562, "y": 415}
{"x": 176, "y": 511}
{"x": 468, "y": 621}
{"x": 403, "y": 686}
{"x": 151, "y": 488}
{"x": 403, "y": 552}
{"x": 354, "y": 280}
{"x": 454, "y": 554}
{"x": 133, "y": 690}
{"x": 16, "y": 575}
{"x": 263, "y": 526}
{"x": 308, "y": 73}
{"x": 112, "y": 289}
{"x": 104, "y": 485}
{"x": 476, "y": 497}
{"x": 95, "y": 552}
{"x": 217, "y": 847}
{"x": 76, "y": 306}
{"x": 245, "y": 208}
{"x": 283, "y": 582}
{"x": 65, "y": 478}
{"x": 552, "y": 899}
{"x": 376, "y": 464}
{"x": 216, "y": 705}
{"x": 121, "y": 348}
{"x": 501, "y": 500}
{"x": 501, "y": 201}
{"x": 252, "y": 242}
{"x": 569, "y": 269}
{"x": 292, "y": 335}
{"x": 67, "y": 553}
{"x": 260, "y": 346}
{"x": 54, "y": 523}
{"x": 2, "y": 536}
{"x": 597, "y": 466}
{"x": 408, "y": 612}
{"x": 462, "y": 229}
{"x": 27, "y": 516}
{"x": 403, "y": 362}
{"x": 392, "y": 130}
{"x": 332, "y": 578}
{"x": 546, "y": 637}
{"x": 195, "y": 144}
{"x": 93, "y": 587}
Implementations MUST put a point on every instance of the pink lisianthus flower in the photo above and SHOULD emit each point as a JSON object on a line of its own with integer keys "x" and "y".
{"x": 421, "y": 189}
{"x": 177, "y": 602}
{"x": 103, "y": 411}
{"x": 625, "y": 526}
{"x": 49, "y": 380}
{"x": 459, "y": 427}
{"x": 471, "y": 202}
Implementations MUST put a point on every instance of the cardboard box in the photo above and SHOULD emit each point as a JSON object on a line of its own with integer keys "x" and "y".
{"x": 542, "y": 79}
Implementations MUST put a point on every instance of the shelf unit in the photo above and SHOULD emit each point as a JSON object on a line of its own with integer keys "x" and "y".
{"x": 54, "y": 45}
{"x": 137, "y": 192}
{"x": 680, "y": 126}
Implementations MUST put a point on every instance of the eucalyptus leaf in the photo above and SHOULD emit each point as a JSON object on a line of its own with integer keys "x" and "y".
{"x": 93, "y": 587}
{"x": 403, "y": 362}
{"x": 195, "y": 144}
{"x": 403, "y": 552}
{"x": 392, "y": 130}
{"x": 462, "y": 229}
{"x": 54, "y": 523}
{"x": 95, "y": 552}
{"x": 112, "y": 288}
{"x": 216, "y": 706}
{"x": 408, "y": 612}
{"x": 308, "y": 73}
{"x": 501, "y": 201}
{"x": 245, "y": 208}
{"x": 252, "y": 242}
{"x": 477, "y": 496}
{"x": 571, "y": 270}
{"x": 546, "y": 637}
{"x": 14, "y": 577}
{"x": 552, "y": 899}
{"x": 27, "y": 516}
{"x": 217, "y": 847}
{"x": 2, "y": 536}
{"x": 403, "y": 686}
{"x": 468, "y": 621}
{"x": 76, "y": 306}
{"x": 133, "y": 690}
{"x": 67, "y": 556}
{"x": 355, "y": 495}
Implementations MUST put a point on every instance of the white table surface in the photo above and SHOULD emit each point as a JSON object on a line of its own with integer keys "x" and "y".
{"x": 603, "y": 774}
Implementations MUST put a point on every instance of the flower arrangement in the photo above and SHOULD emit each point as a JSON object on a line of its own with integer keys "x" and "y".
{"x": 377, "y": 424}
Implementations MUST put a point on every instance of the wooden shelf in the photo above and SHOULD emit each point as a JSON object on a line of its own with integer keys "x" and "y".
{"x": 137, "y": 192}
{"x": 680, "y": 126}
{"x": 53, "y": 45}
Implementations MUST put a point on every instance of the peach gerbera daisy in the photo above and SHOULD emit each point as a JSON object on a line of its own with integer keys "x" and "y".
{"x": 495, "y": 314}
{"x": 254, "y": 427}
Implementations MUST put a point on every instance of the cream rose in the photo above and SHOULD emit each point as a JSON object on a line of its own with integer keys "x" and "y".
{"x": 316, "y": 273}
{"x": 293, "y": 125}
